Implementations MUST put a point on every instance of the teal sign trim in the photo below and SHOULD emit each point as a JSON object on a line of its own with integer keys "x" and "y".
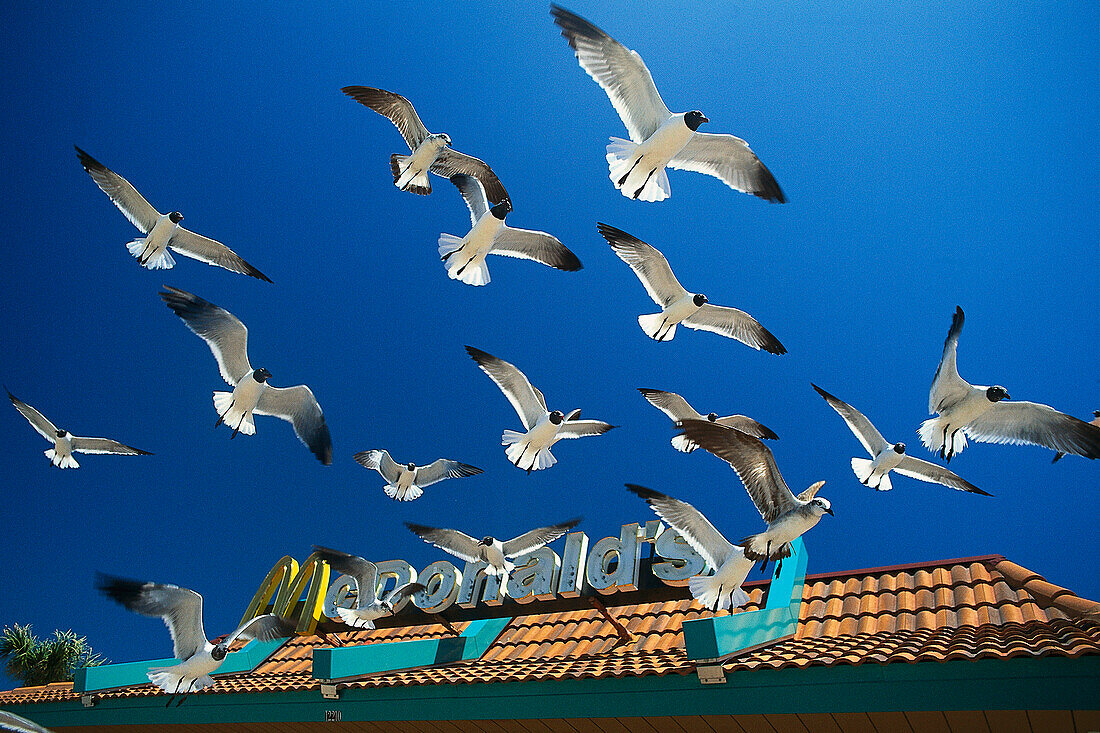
{"x": 356, "y": 661}
{"x": 714, "y": 638}
{"x": 109, "y": 676}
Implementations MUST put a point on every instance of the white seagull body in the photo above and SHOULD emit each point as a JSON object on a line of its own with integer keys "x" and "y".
{"x": 227, "y": 338}
{"x": 981, "y": 413}
{"x": 368, "y": 606}
{"x": 530, "y": 450}
{"x": 658, "y": 137}
{"x": 722, "y": 590}
{"x": 677, "y": 408}
{"x": 464, "y": 257}
{"x": 162, "y": 231}
{"x": 406, "y": 482}
{"x": 887, "y": 457}
{"x": 677, "y": 304}
{"x": 497, "y": 554}
{"x": 65, "y": 443}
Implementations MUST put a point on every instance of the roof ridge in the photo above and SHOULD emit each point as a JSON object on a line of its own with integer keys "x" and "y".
{"x": 1045, "y": 592}
{"x": 881, "y": 570}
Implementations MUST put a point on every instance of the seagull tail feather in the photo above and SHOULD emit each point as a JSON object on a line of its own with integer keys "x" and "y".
{"x": 655, "y": 327}
{"x": 232, "y": 415}
{"x": 405, "y": 179}
{"x": 61, "y": 461}
{"x": 163, "y": 261}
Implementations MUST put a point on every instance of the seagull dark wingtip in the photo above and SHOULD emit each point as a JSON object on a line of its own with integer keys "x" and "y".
{"x": 645, "y": 493}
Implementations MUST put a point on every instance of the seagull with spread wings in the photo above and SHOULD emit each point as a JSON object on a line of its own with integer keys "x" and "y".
{"x": 530, "y": 450}
{"x": 368, "y": 605}
{"x": 677, "y": 304}
{"x": 983, "y": 414}
{"x": 464, "y": 257}
{"x": 227, "y": 338}
{"x": 407, "y": 481}
{"x": 887, "y": 457}
{"x": 430, "y": 151}
{"x": 65, "y": 443}
{"x": 493, "y": 552}
{"x": 677, "y": 408}
{"x": 658, "y": 137}
{"x": 788, "y": 516}
{"x": 181, "y": 610}
{"x": 162, "y": 231}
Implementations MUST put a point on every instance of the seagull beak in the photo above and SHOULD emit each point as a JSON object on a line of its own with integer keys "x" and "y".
{"x": 705, "y": 119}
{"x": 830, "y": 511}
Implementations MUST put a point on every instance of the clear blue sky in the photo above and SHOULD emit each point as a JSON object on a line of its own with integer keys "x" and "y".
{"x": 933, "y": 157}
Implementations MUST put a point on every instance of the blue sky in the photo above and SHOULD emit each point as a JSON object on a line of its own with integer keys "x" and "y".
{"x": 933, "y": 157}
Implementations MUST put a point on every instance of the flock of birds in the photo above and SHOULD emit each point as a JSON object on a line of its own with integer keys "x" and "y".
{"x": 659, "y": 139}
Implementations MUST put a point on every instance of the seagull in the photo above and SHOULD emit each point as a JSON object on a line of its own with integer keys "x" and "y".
{"x": 530, "y": 450}
{"x": 368, "y": 607}
{"x": 227, "y": 338}
{"x": 464, "y": 257}
{"x": 981, "y": 413}
{"x": 723, "y": 589}
{"x": 886, "y": 457}
{"x": 788, "y": 516}
{"x": 407, "y": 482}
{"x": 677, "y": 304}
{"x": 488, "y": 549}
{"x": 1094, "y": 421}
{"x": 162, "y": 231}
{"x": 430, "y": 151}
{"x": 181, "y": 610}
{"x": 677, "y": 408}
{"x": 65, "y": 443}
{"x": 658, "y": 137}
{"x": 11, "y": 721}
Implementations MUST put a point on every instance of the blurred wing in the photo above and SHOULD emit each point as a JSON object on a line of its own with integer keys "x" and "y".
{"x": 131, "y": 203}
{"x": 395, "y": 107}
{"x": 298, "y": 406}
{"x": 450, "y": 163}
{"x": 670, "y": 403}
{"x": 443, "y": 468}
{"x": 105, "y": 445}
{"x": 690, "y": 523}
{"x": 473, "y": 193}
{"x": 11, "y": 721}
{"x": 748, "y": 425}
{"x": 648, "y": 264}
{"x": 527, "y": 401}
{"x": 38, "y": 421}
{"x": 932, "y": 473}
{"x": 583, "y": 428}
{"x": 735, "y": 324}
{"x": 619, "y": 71}
{"x": 458, "y": 544}
{"x": 871, "y": 439}
{"x": 538, "y": 246}
{"x": 379, "y": 460}
{"x": 728, "y": 158}
{"x": 1029, "y": 422}
{"x": 267, "y": 627}
{"x": 204, "y": 249}
{"x": 947, "y": 386}
{"x": 222, "y": 331}
{"x": 536, "y": 538}
{"x": 364, "y": 571}
{"x": 399, "y": 594}
{"x": 180, "y": 608}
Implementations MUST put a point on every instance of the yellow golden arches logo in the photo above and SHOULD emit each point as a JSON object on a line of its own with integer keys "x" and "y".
{"x": 285, "y": 582}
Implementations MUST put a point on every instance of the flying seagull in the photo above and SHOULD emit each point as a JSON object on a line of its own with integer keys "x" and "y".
{"x": 407, "y": 481}
{"x": 489, "y": 549}
{"x": 162, "y": 231}
{"x": 886, "y": 457}
{"x": 658, "y": 137}
{"x": 1094, "y": 421}
{"x": 181, "y": 610}
{"x": 11, "y": 721}
{"x": 677, "y": 408}
{"x": 369, "y": 606}
{"x": 788, "y": 516}
{"x": 723, "y": 589}
{"x": 227, "y": 338}
{"x": 530, "y": 450}
{"x": 981, "y": 413}
{"x": 464, "y": 257}
{"x": 677, "y": 304}
{"x": 430, "y": 151}
{"x": 65, "y": 443}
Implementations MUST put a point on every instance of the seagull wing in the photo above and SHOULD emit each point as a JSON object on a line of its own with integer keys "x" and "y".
{"x": 298, "y": 406}
{"x": 204, "y": 249}
{"x": 38, "y": 421}
{"x": 131, "y": 203}
{"x": 11, "y": 721}
{"x": 753, "y": 462}
{"x": 648, "y": 264}
{"x": 473, "y": 193}
{"x": 266, "y": 627}
{"x": 690, "y": 523}
{"x": 538, "y": 246}
{"x": 222, "y": 331}
{"x": 527, "y": 401}
{"x": 458, "y": 544}
{"x": 379, "y": 460}
{"x": 395, "y": 107}
{"x": 105, "y": 445}
{"x": 871, "y": 438}
{"x": 1030, "y": 422}
{"x": 583, "y": 428}
{"x": 947, "y": 386}
{"x": 748, "y": 425}
{"x": 729, "y": 159}
{"x": 934, "y": 474}
{"x": 536, "y": 538}
{"x": 619, "y": 71}
{"x": 450, "y": 163}
{"x": 441, "y": 469}
{"x": 364, "y": 571}
{"x": 397, "y": 595}
{"x": 180, "y": 608}
{"x": 735, "y": 324}
{"x": 670, "y": 403}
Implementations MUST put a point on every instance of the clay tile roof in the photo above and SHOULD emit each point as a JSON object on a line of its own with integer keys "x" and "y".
{"x": 969, "y": 608}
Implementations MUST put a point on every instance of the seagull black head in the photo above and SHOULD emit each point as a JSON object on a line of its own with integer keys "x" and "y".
{"x": 501, "y": 210}
{"x": 261, "y": 375}
{"x": 556, "y": 417}
{"x": 899, "y": 448}
{"x": 446, "y": 138}
{"x": 693, "y": 119}
{"x": 997, "y": 393}
{"x": 486, "y": 540}
{"x": 822, "y": 504}
{"x": 411, "y": 466}
{"x": 713, "y": 417}
{"x": 699, "y": 300}
{"x": 176, "y": 217}
{"x": 1096, "y": 413}
{"x": 62, "y": 433}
